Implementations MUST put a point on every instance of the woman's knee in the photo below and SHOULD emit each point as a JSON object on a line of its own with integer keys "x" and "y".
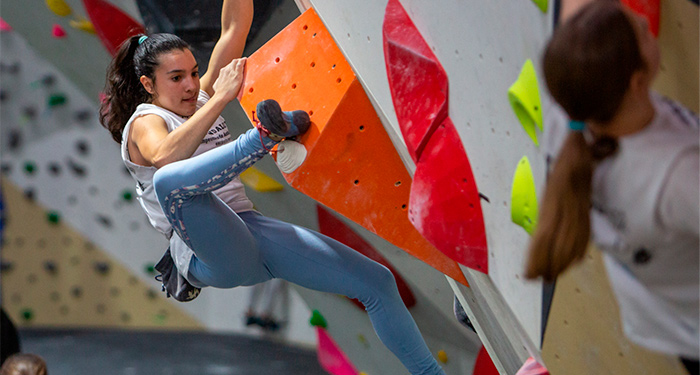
{"x": 165, "y": 181}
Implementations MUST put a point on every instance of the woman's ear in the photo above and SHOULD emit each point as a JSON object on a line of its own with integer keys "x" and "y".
{"x": 147, "y": 84}
{"x": 640, "y": 81}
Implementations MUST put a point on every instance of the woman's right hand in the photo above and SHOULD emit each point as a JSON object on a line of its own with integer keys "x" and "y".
{"x": 230, "y": 78}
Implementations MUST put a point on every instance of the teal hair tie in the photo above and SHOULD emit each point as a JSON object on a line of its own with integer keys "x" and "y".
{"x": 577, "y": 126}
{"x": 142, "y": 38}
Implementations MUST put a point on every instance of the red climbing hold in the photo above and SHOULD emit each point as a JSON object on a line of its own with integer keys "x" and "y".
{"x": 112, "y": 25}
{"x": 444, "y": 202}
{"x": 417, "y": 80}
{"x": 649, "y": 9}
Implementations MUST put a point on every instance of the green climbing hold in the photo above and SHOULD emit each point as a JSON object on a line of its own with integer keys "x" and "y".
{"x": 150, "y": 268}
{"x": 53, "y": 217}
{"x": 27, "y": 314}
{"x": 523, "y": 205}
{"x": 542, "y": 4}
{"x": 57, "y": 99}
{"x": 524, "y": 97}
{"x": 127, "y": 196}
{"x": 29, "y": 167}
{"x": 317, "y": 320}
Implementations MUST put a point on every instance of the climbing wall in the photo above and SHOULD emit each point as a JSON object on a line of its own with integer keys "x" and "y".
{"x": 482, "y": 58}
{"x": 55, "y": 153}
{"x": 486, "y": 57}
{"x": 54, "y": 276}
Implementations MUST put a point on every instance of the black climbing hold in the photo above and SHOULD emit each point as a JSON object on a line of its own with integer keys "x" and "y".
{"x": 83, "y": 147}
{"x": 6, "y": 266}
{"x": 29, "y": 112}
{"x": 102, "y": 268}
{"x": 48, "y": 80}
{"x": 77, "y": 169}
{"x": 29, "y": 194}
{"x": 3, "y": 95}
{"x": 6, "y": 168}
{"x": 50, "y": 267}
{"x": 54, "y": 168}
{"x": 83, "y": 115}
{"x": 482, "y": 196}
{"x": 104, "y": 220}
{"x": 14, "y": 139}
{"x": 642, "y": 256}
{"x": 77, "y": 292}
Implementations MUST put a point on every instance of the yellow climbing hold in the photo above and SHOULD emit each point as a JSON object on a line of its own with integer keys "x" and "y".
{"x": 523, "y": 198}
{"x": 442, "y": 356}
{"x": 59, "y": 7}
{"x": 84, "y": 25}
{"x": 542, "y": 4}
{"x": 259, "y": 181}
{"x": 524, "y": 97}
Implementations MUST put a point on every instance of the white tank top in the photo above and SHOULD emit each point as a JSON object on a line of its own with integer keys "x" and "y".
{"x": 233, "y": 193}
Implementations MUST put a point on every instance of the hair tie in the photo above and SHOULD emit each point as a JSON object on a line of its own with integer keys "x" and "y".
{"x": 577, "y": 126}
{"x": 142, "y": 38}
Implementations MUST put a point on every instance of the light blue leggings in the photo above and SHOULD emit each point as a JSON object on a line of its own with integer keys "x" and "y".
{"x": 248, "y": 248}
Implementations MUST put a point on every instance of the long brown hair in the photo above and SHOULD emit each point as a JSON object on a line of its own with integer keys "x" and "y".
{"x": 138, "y": 56}
{"x": 588, "y": 65}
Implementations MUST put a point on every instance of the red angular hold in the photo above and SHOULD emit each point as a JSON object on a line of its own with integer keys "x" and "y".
{"x": 112, "y": 25}
{"x": 444, "y": 204}
{"x": 648, "y": 8}
{"x": 417, "y": 80}
{"x": 484, "y": 365}
{"x": 334, "y": 228}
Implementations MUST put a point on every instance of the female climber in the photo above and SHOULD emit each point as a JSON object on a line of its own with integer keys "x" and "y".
{"x": 186, "y": 166}
{"x": 627, "y": 173}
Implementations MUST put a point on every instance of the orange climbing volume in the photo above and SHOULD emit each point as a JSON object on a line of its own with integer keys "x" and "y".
{"x": 352, "y": 165}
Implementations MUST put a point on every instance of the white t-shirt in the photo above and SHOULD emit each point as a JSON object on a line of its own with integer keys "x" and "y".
{"x": 645, "y": 218}
{"x": 233, "y": 193}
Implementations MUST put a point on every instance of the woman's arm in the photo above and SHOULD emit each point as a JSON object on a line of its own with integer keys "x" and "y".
{"x": 236, "y": 18}
{"x": 149, "y": 137}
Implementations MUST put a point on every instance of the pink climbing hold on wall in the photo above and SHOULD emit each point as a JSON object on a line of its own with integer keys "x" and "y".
{"x": 112, "y": 25}
{"x": 331, "y": 357}
{"x": 4, "y": 26}
{"x": 58, "y": 32}
{"x": 444, "y": 204}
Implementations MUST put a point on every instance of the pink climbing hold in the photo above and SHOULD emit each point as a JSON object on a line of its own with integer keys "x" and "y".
{"x": 331, "y": 358}
{"x": 58, "y": 31}
{"x": 4, "y": 26}
{"x": 531, "y": 367}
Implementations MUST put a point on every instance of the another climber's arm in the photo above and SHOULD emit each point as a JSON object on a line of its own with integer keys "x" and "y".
{"x": 236, "y": 18}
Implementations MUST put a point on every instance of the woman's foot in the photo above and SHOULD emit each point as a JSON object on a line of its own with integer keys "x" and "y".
{"x": 281, "y": 124}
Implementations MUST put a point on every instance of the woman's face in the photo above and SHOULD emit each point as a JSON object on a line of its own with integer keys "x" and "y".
{"x": 176, "y": 84}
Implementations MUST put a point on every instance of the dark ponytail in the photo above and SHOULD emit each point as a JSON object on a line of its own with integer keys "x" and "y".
{"x": 588, "y": 66}
{"x": 137, "y": 56}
